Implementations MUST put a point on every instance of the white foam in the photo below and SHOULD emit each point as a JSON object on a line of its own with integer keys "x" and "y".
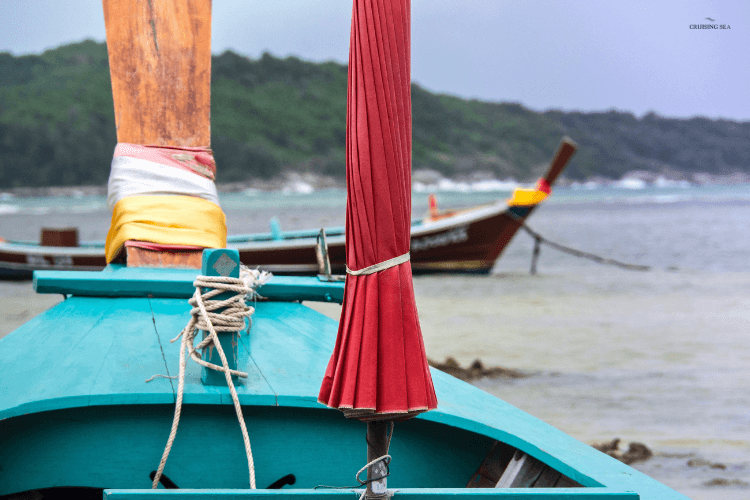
{"x": 494, "y": 185}
{"x": 629, "y": 183}
{"x": 663, "y": 182}
{"x": 9, "y": 209}
{"x": 297, "y": 187}
{"x": 449, "y": 185}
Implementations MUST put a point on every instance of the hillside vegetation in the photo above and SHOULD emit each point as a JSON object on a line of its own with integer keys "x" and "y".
{"x": 271, "y": 116}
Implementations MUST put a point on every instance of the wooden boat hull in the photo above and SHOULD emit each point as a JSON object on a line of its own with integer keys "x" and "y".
{"x": 468, "y": 242}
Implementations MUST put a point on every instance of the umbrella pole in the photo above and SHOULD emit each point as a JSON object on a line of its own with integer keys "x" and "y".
{"x": 377, "y": 446}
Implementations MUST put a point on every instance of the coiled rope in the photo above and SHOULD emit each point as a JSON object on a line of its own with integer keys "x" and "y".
{"x": 205, "y": 316}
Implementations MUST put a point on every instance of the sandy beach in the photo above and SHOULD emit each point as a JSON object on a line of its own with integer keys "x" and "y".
{"x": 19, "y": 303}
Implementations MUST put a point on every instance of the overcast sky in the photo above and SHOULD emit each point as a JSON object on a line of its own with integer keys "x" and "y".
{"x": 587, "y": 55}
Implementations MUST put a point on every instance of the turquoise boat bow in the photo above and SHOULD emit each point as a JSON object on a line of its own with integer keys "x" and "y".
{"x": 76, "y": 410}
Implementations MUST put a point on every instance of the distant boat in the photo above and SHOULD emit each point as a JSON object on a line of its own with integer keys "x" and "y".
{"x": 468, "y": 240}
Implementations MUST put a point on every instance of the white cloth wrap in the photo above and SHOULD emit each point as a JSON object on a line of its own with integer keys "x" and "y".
{"x": 134, "y": 176}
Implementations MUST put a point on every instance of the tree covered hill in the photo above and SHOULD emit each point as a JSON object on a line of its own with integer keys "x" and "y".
{"x": 271, "y": 116}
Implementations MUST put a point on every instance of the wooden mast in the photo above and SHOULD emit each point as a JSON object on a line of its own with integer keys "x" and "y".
{"x": 160, "y": 64}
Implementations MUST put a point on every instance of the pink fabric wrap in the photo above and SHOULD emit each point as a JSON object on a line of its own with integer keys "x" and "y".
{"x": 199, "y": 160}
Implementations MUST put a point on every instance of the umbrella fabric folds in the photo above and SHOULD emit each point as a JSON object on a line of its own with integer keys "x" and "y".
{"x": 379, "y": 369}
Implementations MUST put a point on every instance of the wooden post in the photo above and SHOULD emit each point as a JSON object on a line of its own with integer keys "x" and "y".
{"x": 377, "y": 446}
{"x": 220, "y": 262}
{"x": 535, "y": 254}
{"x": 321, "y": 253}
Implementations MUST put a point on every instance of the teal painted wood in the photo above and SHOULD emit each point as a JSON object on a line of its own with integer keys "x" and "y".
{"x": 220, "y": 262}
{"x": 400, "y": 494}
{"x": 276, "y": 232}
{"x": 119, "y": 281}
{"x": 117, "y": 446}
{"x": 293, "y": 364}
{"x": 287, "y": 235}
{"x": 81, "y": 351}
{"x": 303, "y": 288}
{"x": 170, "y": 317}
{"x": 85, "y": 335}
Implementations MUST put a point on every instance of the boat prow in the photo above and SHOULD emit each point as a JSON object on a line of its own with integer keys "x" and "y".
{"x": 78, "y": 412}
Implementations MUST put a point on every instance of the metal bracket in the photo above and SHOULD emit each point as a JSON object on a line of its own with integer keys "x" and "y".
{"x": 324, "y": 263}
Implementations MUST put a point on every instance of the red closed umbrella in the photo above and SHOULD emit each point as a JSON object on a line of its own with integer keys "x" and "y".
{"x": 379, "y": 369}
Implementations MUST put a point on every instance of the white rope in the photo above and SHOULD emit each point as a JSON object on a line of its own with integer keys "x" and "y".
{"x": 253, "y": 279}
{"x": 380, "y": 266}
{"x": 204, "y": 317}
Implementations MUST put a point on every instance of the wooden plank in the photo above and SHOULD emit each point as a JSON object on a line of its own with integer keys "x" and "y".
{"x": 84, "y": 349}
{"x": 548, "y": 478}
{"x": 133, "y": 355}
{"x": 492, "y": 466}
{"x": 171, "y": 259}
{"x": 290, "y": 344}
{"x": 522, "y": 471}
{"x": 160, "y": 63}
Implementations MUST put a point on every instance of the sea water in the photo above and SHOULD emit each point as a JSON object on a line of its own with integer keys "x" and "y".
{"x": 660, "y": 357}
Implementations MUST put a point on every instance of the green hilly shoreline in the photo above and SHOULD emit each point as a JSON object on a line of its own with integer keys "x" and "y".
{"x": 273, "y": 116}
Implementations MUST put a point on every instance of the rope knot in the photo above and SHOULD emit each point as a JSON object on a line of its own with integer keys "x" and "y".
{"x": 226, "y": 315}
{"x": 216, "y": 315}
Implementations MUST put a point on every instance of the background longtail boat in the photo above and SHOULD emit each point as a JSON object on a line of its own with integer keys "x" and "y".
{"x": 87, "y": 398}
{"x": 468, "y": 240}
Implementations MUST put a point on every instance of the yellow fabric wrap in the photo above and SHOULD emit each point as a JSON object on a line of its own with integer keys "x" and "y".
{"x": 526, "y": 197}
{"x": 167, "y": 220}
